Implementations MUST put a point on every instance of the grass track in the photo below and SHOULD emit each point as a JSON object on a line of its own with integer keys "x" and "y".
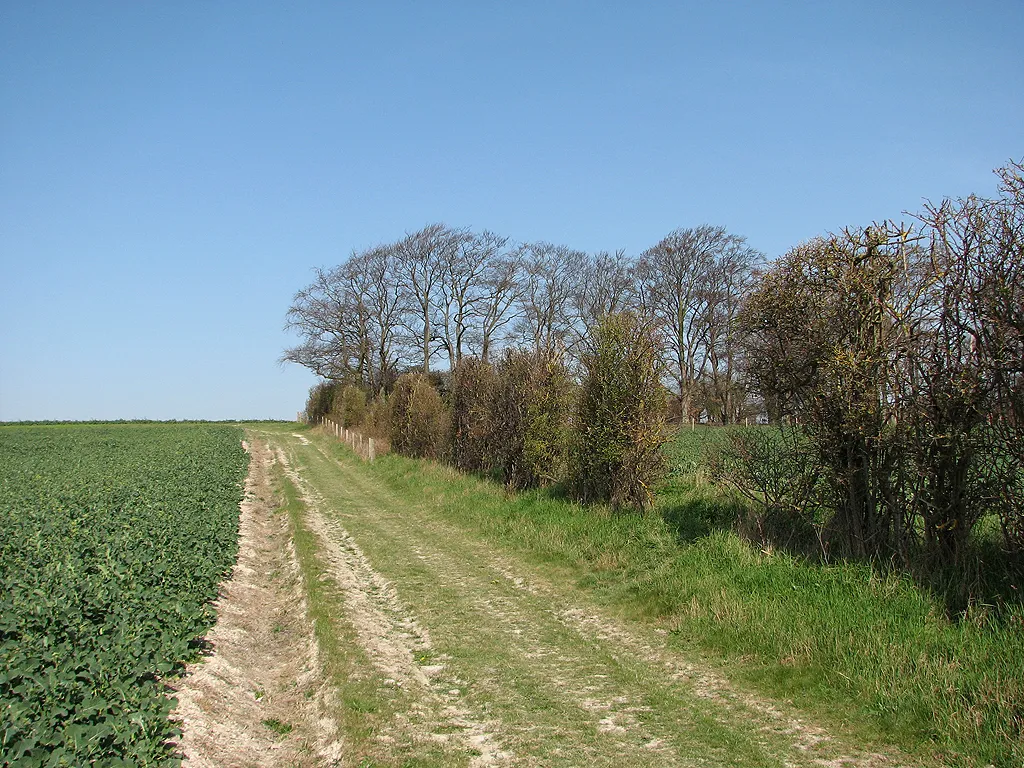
{"x": 537, "y": 668}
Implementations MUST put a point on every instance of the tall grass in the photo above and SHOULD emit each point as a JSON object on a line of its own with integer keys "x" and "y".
{"x": 874, "y": 652}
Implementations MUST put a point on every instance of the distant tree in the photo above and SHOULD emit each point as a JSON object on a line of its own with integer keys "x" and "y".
{"x": 420, "y": 262}
{"x": 730, "y": 279}
{"x": 374, "y": 279}
{"x": 466, "y": 296}
{"x": 498, "y": 305}
{"x": 329, "y": 320}
{"x": 677, "y": 288}
{"x": 348, "y": 321}
{"x": 606, "y": 285}
{"x": 548, "y": 282}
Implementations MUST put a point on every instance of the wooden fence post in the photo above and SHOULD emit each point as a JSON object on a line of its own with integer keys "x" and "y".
{"x": 370, "y": 453}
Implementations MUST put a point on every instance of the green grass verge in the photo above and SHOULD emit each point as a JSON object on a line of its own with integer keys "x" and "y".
{"x": 875, "y": 655}
{"x": 362, "y": 703}
{"x": 344, "y": 664}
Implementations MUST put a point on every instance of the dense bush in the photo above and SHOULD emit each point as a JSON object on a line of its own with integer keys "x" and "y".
{"x": 349, "y": 406}
{"x": 416, "y": 417}
{"x": 532, "y": 404}
{"x": 376, "y": 420}
{"x": 900, "y": 351}
{"x": 320, "y": 402}
{"x": 474, "y": 384}
{"x": 620, "y": 423}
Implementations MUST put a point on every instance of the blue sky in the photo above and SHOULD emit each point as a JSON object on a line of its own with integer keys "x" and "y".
{"x": 170, "y": 173}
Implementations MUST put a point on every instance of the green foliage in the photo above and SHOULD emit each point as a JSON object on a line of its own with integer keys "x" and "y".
{"x": 349, "y": 405}
{"x": 532, "y": 403}
{"x": 279, "y": 727}
{"x": 417, "y": 417}
{"x": 620, "y": 421}
{"x": 779, "y": 477}
{"x": 871, "y": 342}
{"x": 472, "y": 423}
{"x": 113, "y": 540}
{"x": 321, "y": 399}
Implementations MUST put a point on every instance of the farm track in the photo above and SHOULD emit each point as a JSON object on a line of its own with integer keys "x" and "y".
{"x": 257, "y": 699}
{"x": 489, "y": 660}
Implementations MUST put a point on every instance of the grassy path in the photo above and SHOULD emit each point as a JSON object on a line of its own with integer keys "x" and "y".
{"x": 447, "y": 650}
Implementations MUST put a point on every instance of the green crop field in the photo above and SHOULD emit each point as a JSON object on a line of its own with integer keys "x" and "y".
{"x": 113, "y": 539}
{"x": 688, "y": 447}
{"x": 685, "y": 450}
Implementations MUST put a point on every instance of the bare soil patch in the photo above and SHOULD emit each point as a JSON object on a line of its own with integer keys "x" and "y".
{"x": 258, "y": 698}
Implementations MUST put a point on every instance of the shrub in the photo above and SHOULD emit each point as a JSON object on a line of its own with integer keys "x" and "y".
{"x": 416, "y": 417}
{"x": 776, "y": 469}
{"x": 471, "y": 431}
{"x": 620, "y": 423}
{"x": 320, "y": 401}
{"x": 532, "y": 403}
{"x": 377, "y": 421}
{"x": 350, "y": 405}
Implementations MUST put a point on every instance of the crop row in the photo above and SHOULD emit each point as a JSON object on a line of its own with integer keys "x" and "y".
{"x": 113, "y": 540}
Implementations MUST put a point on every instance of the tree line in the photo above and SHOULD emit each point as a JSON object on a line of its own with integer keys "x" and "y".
{"x": 442, "y": 294}
{"x": 525, "y": 420}
{"x": 897, "y": 349}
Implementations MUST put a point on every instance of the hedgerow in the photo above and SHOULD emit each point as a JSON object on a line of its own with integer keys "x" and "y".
{"x": 416, "y": 417}
{"x": 620, "y": 421}
{"x": 532, "y": 403}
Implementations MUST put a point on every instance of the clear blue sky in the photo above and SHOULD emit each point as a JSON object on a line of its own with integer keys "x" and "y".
{"x": 170, "y": 173}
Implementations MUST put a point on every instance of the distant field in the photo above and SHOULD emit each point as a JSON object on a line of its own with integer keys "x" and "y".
{"x": 687, "y": 448}
{"x": 113, "y": 539}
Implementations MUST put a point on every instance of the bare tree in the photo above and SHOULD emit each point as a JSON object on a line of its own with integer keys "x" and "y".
{"x": 348, "y": 321}
{"x": 607, "y": 286}
{"x": 375, "y": 281}
{"x": 463, "y": 295}
{"x": 331, "y": 323}
{"x": 498, "y": 304}
{"x": 549, "y": 281}
{"x": 420, "y": 258}
{"x": 979, "y": 245}
{"x": 675, "y": 280}
{"x": 729, "y": 281}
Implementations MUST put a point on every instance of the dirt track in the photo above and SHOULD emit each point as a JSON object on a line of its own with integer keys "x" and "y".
{"x": 256, "y": 700}
{"x": 477, "y": 658}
